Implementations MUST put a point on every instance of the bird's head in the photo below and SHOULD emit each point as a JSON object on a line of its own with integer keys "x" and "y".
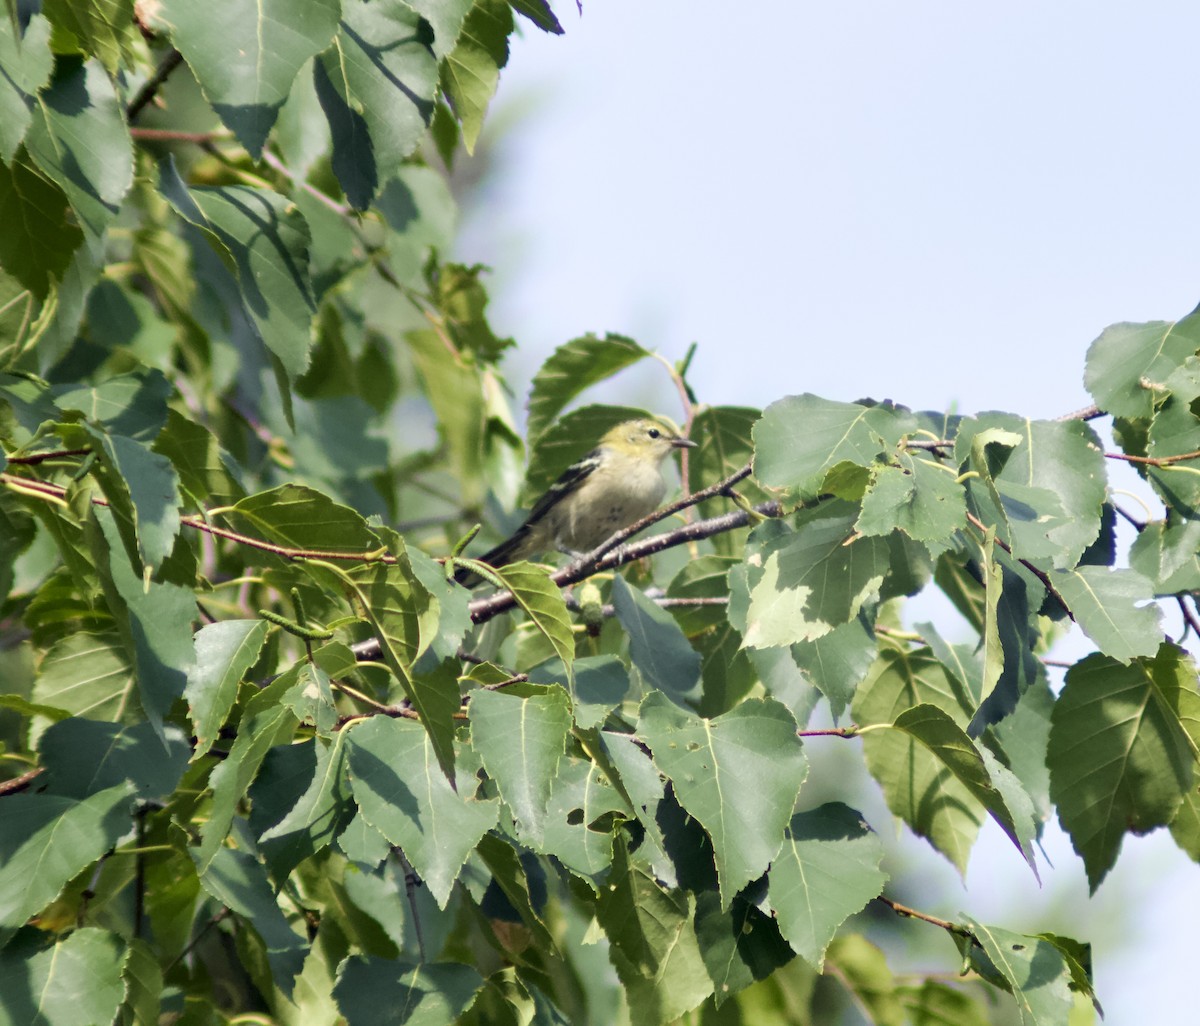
{"x": 645, "y": 436}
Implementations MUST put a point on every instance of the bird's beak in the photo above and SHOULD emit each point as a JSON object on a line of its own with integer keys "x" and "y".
{"x": 683, "y": 443}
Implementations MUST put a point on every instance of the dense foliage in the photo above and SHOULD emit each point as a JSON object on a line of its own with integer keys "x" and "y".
{"x": 264, "y": 759}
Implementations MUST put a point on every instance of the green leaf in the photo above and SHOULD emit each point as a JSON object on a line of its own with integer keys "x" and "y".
{"x": 76, "y": 982}
{"x": 863, "y": 970}
{"x": 204, "y": 470}
{"x": 522, "y": 889}
{"x": 543, "y": 603}
{"x": 658, "y": 649}
{"x": 48, "y": 839}
{"x": 804, "y": 580}
{"x": 738, "y": 774}
{"x": 949, "y": 743}
{"x": 801, "y": 438}
{"x": 421, "y": 210}
{"x": 1123, "y": 748}
{"x": 376, "y": 83}
{"x": 539, "y": 12}
{"x": 1103, "y": 601}
{"x": 143, "y": 985}
{"x": 247, "y": 84}
{"x": 25, "y": 66}
{"x": 1169, "y": 555}
{"x": 393, "y": 603}
{"x": 724, "y": 444}
{"x": 739, "y": 945}
{"x": 581, "y": 795}
{"x": 298, "y": 517}
{"x": 919, "y": 788}
{"x": 224, "y": 652}
{"x": 265, "y": 722}
{"x": 1034, "y": 970}
{"x": 106, "y": 28}
{"x": 1010, "y": 634}
{"x": 1057, "y": 468}
{"x": 828, "y": 870}
{"x": 263, "y": 240}
{"x": 157, "y": 621}
{"x": 1022, "y": 738}
{"x": 149, "y": 483}
{"x": 574, "y": 367}
{"x": 79, "y": 138}
{"x": 133, "y": 405}
{"x": 597, "y": 686}
{"x": 240, "y": 883}
{"x": 454, "y": 387}
{"x": 521, "y": 738}
{"x": 82, "y": 757}
{"x": 938, "y": 1004}
{"x": 319, "y": 815}
{"x": 654, "y": 947}
{"x": 1129, "y": 363}
{"x": 403, "y": 793}
{"x": 470, "y": 72}
{"x": 1175, "y": 431}
{"x": 837, "y": 662}
{"x": 39, "y": 236}
{"x": 920, "y": 496}
{"x": 381, "y": 992}
{"x": 87, "y": 675}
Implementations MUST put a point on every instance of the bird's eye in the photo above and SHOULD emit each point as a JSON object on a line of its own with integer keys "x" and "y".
{"x": 654, "y": 433}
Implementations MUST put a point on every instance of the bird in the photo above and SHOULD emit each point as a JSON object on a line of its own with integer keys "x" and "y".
{"x": 617, "y": 483}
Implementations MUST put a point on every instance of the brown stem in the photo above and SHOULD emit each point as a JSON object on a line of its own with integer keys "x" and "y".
{"x": 198, "y": 523}
{"x": 171, "y": 135}
{"x": 21, "y": 783}
{"x": 41, "y": 457}
{"x": 155, "y": 82}
{"x": 1041, "y": 575}
{"x": 912, "y": 913}
{"x": 1154, "y": 461}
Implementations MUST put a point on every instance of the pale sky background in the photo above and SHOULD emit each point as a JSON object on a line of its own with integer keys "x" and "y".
{"x": 938, "y": 203}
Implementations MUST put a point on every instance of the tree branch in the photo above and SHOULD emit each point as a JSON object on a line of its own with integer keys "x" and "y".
{"x": 1154, "y": 461}
{"x": 152, "y": 85}
{"x": 912, "y": 913}
{"x": 484, "y": 609}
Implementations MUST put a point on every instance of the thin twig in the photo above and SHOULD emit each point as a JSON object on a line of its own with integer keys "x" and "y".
{"x": 41, "y": 457}
{"x": 273, "y": 161}
{"x": 21, "y": 783}
{"x": 1153, "y": 461}
{"x": 224, "y": 913}
{"x": 1041, "y": 575}
{"x": 1189, "y": 616}
{"x": 152, "y": 85}
{"x": 925, "y": 917}
{"x": 663, "y": 602}
{"x": 1087, "y": 413}
{"x": 172, "y": 135}
{"x": 199, "y": 522}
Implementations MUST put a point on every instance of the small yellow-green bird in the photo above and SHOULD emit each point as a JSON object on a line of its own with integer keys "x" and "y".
{"x": 617, "y": 483}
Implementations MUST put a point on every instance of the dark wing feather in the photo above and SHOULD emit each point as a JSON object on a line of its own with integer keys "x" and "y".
{"x": 569, "y": 480}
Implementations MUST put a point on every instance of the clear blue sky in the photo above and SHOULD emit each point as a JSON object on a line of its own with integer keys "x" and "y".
{"x": 937, "y": 203}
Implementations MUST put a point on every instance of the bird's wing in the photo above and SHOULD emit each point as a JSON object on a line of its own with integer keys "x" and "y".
{"x": 567, "y": 482}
